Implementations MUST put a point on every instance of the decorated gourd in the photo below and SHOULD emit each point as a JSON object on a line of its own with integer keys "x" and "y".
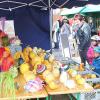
{"x": 56, "y": 64}
{"x": 32, "y": 55}
{"x": 24, "y": 68}
{"x": 45, "y": 73}
{"x": 53, "y": 85}
{"x": 29, "y": 76}
{"x": 51, "y": 58}
{"x": 63, "y": 77}
{"x": 35, "y": 49}
{"x": 26, "y": 58}
{"x": 56, "y": 72}
{"x": 17, "y": 55}
{"x": 80, "y": 81}
{"x": 36, "y": 59}
{"x": 48, "y": 65}
{"x": 49, "y": 78}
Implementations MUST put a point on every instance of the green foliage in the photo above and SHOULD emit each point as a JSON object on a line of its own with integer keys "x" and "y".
{"x": 7, "y": 88}
{"x": 5, "y": 41}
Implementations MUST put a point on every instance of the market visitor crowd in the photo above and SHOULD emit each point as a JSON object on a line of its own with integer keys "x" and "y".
{"x": 84, "y": 32}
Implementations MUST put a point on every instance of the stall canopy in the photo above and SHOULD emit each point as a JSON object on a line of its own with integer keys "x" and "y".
{"x": 91, "y": 8}
{"x": 73, "y": 10}
{"x": 32, "y": 20}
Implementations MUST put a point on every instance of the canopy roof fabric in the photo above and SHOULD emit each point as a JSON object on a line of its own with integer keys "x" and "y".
{"x": 91, "y": 8}
{"x": 15, "y": 4}
{"x": 33, "y": 25}
{"x": 73, "y": 10}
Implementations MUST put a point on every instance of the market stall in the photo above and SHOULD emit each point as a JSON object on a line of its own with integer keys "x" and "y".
{"x": 37, "y": 74}
{"x": 32, "y": 72}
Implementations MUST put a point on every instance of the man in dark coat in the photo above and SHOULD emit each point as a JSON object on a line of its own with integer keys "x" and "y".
{"x": 83, "y": 35}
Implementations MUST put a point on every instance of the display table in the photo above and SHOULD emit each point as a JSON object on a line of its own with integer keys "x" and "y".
{"x": 64, "y": 90}
{"x": 21, "y": 94}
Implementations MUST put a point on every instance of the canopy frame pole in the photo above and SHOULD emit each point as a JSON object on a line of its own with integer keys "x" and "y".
{"x": 51, "y": 22}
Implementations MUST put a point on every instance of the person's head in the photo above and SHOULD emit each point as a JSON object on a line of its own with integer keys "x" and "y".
{"x": 94, "y": 40}
{"x": 99, "y": 43}
{"x": 66, "y": 20}
{"x": 90, "y": 20}
{"x": 78, "y": 18}
{"x": 97, "y": 52}
{"x": 93, "y": 43}
{"x": 61, "y": 18}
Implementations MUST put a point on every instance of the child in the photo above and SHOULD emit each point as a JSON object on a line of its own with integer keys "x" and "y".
{"x": 90, "y": 52}
{"x": 96, "y": 61}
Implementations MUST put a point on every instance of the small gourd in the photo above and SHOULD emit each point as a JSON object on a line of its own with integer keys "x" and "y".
{"x": 24, "y": 68}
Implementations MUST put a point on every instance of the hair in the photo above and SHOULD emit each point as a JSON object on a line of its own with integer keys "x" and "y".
{"x": 66, "y": 21}
{"x": 79, "y": 17}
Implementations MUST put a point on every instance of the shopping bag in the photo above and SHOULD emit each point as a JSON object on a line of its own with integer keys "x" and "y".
{"x": 7, "y": 26}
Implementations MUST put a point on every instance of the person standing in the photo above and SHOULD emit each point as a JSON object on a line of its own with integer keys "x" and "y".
{"x": 83, "y": 36}
{"x": 56, "y": 28}
{"x": 92, "y": 26}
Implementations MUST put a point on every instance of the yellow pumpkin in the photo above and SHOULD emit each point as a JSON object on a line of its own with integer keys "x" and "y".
{"x": 49, "y": 78}
{"x": 32, "y": 55}
{"x": 24, "y": 68}
{"x": 53, "y": 85}
{"x": 36, "y": 59}
{"x": 17, "y": 55}
{"x": 26, "y": 58}
{"x": 56, "y": 73}
{"x": 51, "y": 58}
{"x": 81, "y": 81}
{"x": 29, "y": 48}
{"x": 48, "y": 65}
{"x": 29, "y": 76}
{"x": 45, "y": 73}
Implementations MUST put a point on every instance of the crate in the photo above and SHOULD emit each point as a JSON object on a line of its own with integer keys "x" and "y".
{"x": 94, "y": 95}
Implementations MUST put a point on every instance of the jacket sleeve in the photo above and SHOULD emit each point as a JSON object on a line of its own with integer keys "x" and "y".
{"x": 86, "y": 31}
{"x": 90, "y": 53}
